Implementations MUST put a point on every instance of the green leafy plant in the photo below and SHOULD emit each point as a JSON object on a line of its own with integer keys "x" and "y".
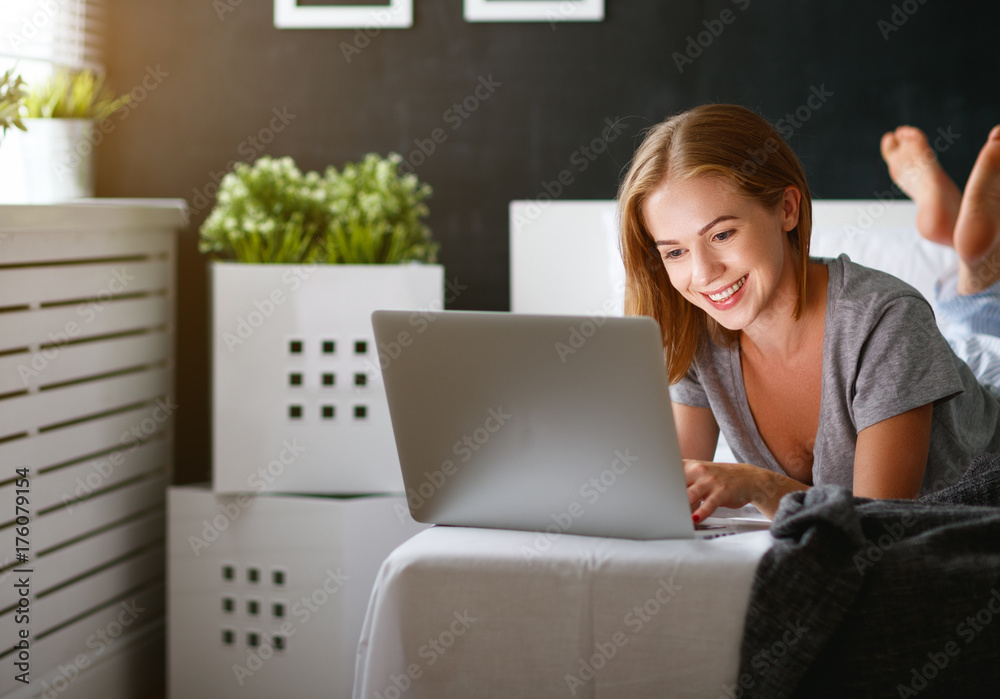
{"x": 270, "y": 212}
{"x": 267, "y": 212}
{"x": 73, "y": 94}
{"x": 12, "y": 95}
{"x": 377, "y": 214}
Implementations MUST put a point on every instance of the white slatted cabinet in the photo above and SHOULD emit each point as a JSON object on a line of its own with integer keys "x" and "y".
{"x": 87, "y": 329}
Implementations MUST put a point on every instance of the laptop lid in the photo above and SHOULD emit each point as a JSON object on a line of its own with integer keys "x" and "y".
{"x": 534, "y": 422}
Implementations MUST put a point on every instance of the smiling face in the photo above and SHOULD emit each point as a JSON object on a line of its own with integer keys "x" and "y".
{"x": 725, "y": 252}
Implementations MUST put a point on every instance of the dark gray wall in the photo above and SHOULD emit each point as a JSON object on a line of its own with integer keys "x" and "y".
{"x": 216, "y": 74}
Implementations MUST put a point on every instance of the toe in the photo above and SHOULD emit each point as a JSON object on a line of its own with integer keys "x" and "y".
{"x": 909, "y": 133}
{"x": 889, "y": 143}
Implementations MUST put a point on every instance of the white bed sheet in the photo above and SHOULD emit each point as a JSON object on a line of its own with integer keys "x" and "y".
{"x": 463, "y": 612}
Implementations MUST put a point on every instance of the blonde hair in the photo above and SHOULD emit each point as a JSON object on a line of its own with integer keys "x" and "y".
{"x": 723, "y": 140}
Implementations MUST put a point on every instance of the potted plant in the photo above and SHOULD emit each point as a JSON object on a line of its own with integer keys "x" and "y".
{"x": 12, "y": 96}
{"x": 301, "y": 261}
{"x": 61, "y": 116}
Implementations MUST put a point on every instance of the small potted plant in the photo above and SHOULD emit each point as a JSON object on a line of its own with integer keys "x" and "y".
{"x": 12, "y": 96}
{"x": 300, "y": 262}
{"x": 61, "y": 115}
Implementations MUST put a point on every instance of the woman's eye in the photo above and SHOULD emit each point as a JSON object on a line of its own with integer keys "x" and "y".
{"x": 672, "y": 254}
{"x": 724, "y": 235}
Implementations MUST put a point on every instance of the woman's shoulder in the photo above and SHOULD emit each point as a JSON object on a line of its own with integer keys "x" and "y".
{"x": 864, "y": 287}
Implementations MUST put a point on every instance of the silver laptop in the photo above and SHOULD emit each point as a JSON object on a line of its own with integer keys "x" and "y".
{"x": 559, "y": 424}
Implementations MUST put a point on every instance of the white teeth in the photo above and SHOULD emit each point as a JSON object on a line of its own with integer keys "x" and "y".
{"x": 726, "y": 293}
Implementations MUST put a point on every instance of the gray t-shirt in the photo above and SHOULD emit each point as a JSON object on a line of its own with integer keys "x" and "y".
{"x": 882, "y": 356}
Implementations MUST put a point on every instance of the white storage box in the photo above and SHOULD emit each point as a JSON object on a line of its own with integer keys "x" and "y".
{"x": 267, "y": 594}
{"x": 298, "y": 400}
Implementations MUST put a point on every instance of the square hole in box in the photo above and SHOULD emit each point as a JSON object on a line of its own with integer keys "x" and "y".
{"x": 360, "y": 347}
{"x": 228, "y": 572}
{"x": 278, "y": 610}
{"x": 228, "y": 605}
{"x": 329, "y": 346}
{"x": 361, "y": 379}
{"x": 278, "y": 577}
{"x": 253, "y": 575}
{"x": 295, "y": 412}
{"x": 295, "y": 346}
{"x": 295, "y": 379}
{"x": 329, "y": 379}
{"x": 253, "y": 639}
{"x": 360, "y": 412}
{"x": 228, "y": 637}
{"x": 328, "y": 412}
{"x": 278, "y": 642}
{"x": 253, "y": 607}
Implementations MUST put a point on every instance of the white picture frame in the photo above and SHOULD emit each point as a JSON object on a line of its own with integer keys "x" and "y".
{"x": 397, "y": 14}
{"x": 534, "y": 10}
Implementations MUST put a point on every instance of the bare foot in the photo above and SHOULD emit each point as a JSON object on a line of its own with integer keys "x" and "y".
{"x": 915, "y": 169}
{"x": 977, "y": 232}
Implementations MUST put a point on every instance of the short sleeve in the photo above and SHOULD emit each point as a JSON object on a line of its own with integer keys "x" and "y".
{"x": 689, "y": 391}
{"x": 904, "y": 363}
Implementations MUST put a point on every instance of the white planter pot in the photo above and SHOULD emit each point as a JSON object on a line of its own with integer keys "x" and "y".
{"x": 298, "y": 400}
{"x": 51, "y": 162}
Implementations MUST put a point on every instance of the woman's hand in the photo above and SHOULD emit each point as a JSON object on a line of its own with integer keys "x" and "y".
{"x": 712, "y": 485}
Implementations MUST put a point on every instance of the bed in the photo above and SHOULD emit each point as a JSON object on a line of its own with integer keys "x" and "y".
{"x": 460, "y": 612}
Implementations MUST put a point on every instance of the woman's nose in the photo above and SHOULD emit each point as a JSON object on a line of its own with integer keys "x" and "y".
{"x": 705, "y": 268}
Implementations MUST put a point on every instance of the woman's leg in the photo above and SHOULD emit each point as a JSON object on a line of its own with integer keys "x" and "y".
{"x": 968, "y": 301}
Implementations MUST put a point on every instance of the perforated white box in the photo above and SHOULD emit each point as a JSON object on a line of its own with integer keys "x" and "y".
{"x": 298, "y": 400}
{"x": 267, "y": 594}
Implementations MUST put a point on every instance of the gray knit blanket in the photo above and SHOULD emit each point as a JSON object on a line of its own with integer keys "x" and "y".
{"x": 878, "y": 598}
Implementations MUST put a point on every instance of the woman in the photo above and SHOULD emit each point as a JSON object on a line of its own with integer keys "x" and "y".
{"x": 816, "y": 371}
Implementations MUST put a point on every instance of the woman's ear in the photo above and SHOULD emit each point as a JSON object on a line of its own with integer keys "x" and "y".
{"x": 790, "y": 208}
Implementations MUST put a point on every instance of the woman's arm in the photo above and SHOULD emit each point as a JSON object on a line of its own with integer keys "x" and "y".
{"x": 889, "y": 462}
{"x": 891, "y": 455}
{"x": 697, "y": 431}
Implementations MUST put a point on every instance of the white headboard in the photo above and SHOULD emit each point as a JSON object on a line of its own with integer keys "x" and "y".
{"x": 564, "y": 254}
{"x": 564, "y": 258}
